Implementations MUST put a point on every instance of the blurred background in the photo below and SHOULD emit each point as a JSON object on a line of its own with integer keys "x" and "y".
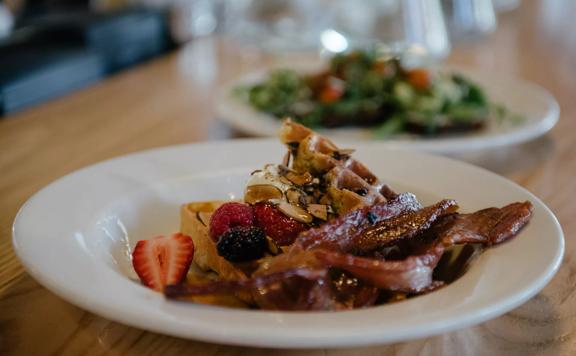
{"x": 49, "y": 48}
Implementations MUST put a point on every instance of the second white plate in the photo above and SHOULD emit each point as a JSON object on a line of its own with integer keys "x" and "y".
{"x": 535, "y": 104}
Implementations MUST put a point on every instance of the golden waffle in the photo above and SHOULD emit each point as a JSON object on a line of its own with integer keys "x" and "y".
{"x": 349, "y": 184}
{"x": 194, "y": 222}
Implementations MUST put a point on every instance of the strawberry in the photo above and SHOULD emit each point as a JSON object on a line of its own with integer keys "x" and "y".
{"x": 163, "y": 260}
{"x": 280, "y": 227}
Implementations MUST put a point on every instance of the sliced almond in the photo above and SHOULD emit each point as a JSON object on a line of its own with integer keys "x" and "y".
{"x": 261, "y": 192}
{"x": 295, "y": 197}
{"x": 272, "y": 247}
{"x": 318, "y": 210}
{"x": 299, "y": 179}
{"x": 295, "y": 212}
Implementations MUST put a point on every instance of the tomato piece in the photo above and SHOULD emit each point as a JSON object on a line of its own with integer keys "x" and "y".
{"x": 419, "y": 78}
{"x": 332, "y": 91}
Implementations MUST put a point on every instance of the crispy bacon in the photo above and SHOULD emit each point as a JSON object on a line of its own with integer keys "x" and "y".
{"x": 400, "y": 227}
{"x": 293, "y": 289}
{"x": 231, "y": 286}
{"x": 298, "y": 293}
{"x": 489, "y": 227}
{"x": 341, "y": 233}
{"x": 320, "y": 273}
{"x": 352, "y": 292}
{"x": 412, "y": 274}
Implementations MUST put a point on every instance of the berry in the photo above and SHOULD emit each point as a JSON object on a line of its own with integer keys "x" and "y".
{"x": 280, "y": 227}
{"x": 230, "y": 215}
{"x": 163, "y": 260}
{"x": 242, "y": 244}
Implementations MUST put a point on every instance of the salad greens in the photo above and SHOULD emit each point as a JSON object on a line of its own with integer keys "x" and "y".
{"x": 363, "y": 90}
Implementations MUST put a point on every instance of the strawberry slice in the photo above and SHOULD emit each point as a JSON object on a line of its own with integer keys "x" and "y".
{"x": 163, "y": 260}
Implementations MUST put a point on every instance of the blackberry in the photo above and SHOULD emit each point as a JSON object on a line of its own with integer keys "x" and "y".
{"x": 242, "y": 244}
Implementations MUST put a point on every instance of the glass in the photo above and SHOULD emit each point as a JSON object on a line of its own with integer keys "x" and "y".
{"x": 192, "y": 18}
{"x": 469, "y": 19}
{"x": 277, "y": 25}
{"x": 331, "y": 26}
{"x": 407, "y": 26}
{"x": 506, "y": 5}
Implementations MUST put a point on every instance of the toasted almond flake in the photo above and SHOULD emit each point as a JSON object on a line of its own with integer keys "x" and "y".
{"x": 272, "y": 247}
{"x": 261, "y": 192}
{"x": 299, "y": 179}
{"x": 295, "y": 197}
{"x": 318, "y": 210}
{"x": 295, "y": 212}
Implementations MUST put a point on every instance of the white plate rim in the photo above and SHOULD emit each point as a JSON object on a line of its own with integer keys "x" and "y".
{"x": 251, "y": 339}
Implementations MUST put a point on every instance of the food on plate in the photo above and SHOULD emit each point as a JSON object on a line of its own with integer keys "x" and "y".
{"x": 365, "y": 89}
{"x": 320, "y": 231}
{"x": 163, "y": 260}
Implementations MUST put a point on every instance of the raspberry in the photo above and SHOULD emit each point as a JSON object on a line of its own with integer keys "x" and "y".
{"x": 230, "y": 215}
{"x": 242, "y": 243}
{"x": 281, "y": 228}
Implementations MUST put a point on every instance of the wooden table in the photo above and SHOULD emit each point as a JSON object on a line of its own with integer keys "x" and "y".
{"x": 169, "y": 101}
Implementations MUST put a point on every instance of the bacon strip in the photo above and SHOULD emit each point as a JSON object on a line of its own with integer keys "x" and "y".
{"x": 300, "y": 278}
{"x": 351, "y": 292}
{"x": 412, "y": 274}
{"x": 489, "y": 227}
{"x": 294, "y": 289}
{"x": 232, "y": 286}
{"x": 340, "y": 234}
{"x": 401, "y": 227}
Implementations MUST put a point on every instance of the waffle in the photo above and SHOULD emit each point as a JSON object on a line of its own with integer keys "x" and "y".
{"x": 348, "y": 183}
{"x": 194, "y": 222}
{"x": 345, "y": 185}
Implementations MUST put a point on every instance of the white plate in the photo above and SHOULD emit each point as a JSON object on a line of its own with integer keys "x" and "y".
{"x": 74, "y": 237}
{"x": 535, "y": 104}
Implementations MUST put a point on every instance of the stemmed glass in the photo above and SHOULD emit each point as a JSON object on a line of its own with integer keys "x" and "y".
{"x": 416, "y": 26}
{"x": 399, "y": 26}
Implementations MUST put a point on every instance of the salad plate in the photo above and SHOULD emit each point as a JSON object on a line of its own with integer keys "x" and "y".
{"x": 534, "y": 112}
{"x": 75, "y": 237}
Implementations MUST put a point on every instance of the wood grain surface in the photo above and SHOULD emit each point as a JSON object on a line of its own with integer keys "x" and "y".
{"x": 169, "y": 101}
